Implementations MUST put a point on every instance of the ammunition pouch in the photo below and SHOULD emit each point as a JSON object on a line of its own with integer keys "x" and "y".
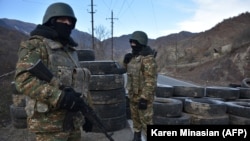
{"x": 33, "y": 106}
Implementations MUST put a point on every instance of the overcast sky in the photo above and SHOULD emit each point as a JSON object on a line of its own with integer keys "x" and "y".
{"x": 156, "y": 17}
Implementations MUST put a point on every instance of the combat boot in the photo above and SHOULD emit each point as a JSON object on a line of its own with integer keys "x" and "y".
{"x": 137, "y": 136}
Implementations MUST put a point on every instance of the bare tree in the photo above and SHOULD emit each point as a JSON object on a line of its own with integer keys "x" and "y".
{"x": 101, "y": 34}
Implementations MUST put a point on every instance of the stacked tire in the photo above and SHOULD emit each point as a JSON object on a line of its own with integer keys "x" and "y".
{"x": 108, "y": 94}
{"x": 181, "y": 92}
{"x": 206, "y": 111}
{"x": 17, "y": 110}
{"x": 167, "y": 110}
{"x": 245, "y": 89}
{"x": 238, "y": 109}
{"x": 239, "y": 112}
{"x": 200, "y": 106}
{"x": 202, "y": 110}
{"x": 85, "y": 54}
{"x": 225, "y": 93}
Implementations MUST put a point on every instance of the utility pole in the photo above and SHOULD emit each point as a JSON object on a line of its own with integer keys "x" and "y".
{"x": 112, "y": 27}
{"x": 92, "y": 22}
{"x": 176, "y": 54}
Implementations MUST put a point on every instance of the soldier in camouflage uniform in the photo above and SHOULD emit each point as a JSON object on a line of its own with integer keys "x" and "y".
{"x": 48, "y": 103}
{"x": 141, "y": 82}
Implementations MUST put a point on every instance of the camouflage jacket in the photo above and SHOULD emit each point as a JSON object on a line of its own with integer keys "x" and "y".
{"x": 59, "y": 60}
{"x": 142, "y": 77}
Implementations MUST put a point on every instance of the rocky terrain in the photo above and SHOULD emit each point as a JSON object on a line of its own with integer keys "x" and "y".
{"x": 216, "y": 57}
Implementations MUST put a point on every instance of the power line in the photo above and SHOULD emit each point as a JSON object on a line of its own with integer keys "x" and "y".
{"x": 154, "y": 15}
{"x": 120, "y": 14}
{"x": 121, "y": 7}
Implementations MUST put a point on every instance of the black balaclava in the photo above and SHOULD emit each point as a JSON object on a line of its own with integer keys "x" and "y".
{"x": 137, "y": 48}
{"x": 62, "y": 29}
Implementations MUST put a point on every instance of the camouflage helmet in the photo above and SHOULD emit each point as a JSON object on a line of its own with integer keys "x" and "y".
{"x": 140, "y": 36}
{"x": 57, "y": 10}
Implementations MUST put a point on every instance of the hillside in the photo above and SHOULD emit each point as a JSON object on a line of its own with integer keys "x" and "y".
{"x": 218, "y": 56}
{"x": 214, "y": 57}
{"x": 9, "y": 42}
{"x": 26, "y": 28}
{"x": 179, "y": 54}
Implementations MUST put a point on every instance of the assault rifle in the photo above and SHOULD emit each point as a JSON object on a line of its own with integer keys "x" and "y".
{"x": 43, "y": 73}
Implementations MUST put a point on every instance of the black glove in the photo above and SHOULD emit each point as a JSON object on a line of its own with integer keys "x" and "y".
{"x": 143, "y": 104}
{"x": 70, "y": 100}
{"x": 127, "y": 58}
{"x": 88, "y": 125}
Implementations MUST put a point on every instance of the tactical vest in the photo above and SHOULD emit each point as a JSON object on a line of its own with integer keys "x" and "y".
{"x": 134, "y": 75}
{"x": 63, "y": 63}
{"x": 136, "y": 79}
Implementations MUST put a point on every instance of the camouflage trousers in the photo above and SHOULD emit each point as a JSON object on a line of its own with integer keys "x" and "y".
{"x": 59, "y": 136}
{"x": 141, "y": 118}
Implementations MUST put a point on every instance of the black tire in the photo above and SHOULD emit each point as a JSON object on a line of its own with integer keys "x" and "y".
{"x": 237, "y": 120}
{"x": 106, "y": 82}
{"x": 189, "y": 91}
{"x": 108, "y": 96}
{"x": 234, "y": 85}
{"x": 85, "y": 55}
{"x": 215, "y": 98}
{"x": 128, "y": 113}
{"x": 245, "y": 83}
{"x": 101, "y": 67}
{"x": 238, "y": 108}
{"x": 112, "y": 124}
{"x": 243, "y": 100}
{"x": 244, "y": 92}
{"x": 167, "y": 107}
{"x": 184, "y": 119}
{"x": 164, "y": 91}
{"x": 209, "y": 120}
{"x": 110, "y": 110}
{"x": 205, "y": 107}
{"x": 182, "y": 99}
{"x": 226, "y": 93}
{"x": 18, "y": 112}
